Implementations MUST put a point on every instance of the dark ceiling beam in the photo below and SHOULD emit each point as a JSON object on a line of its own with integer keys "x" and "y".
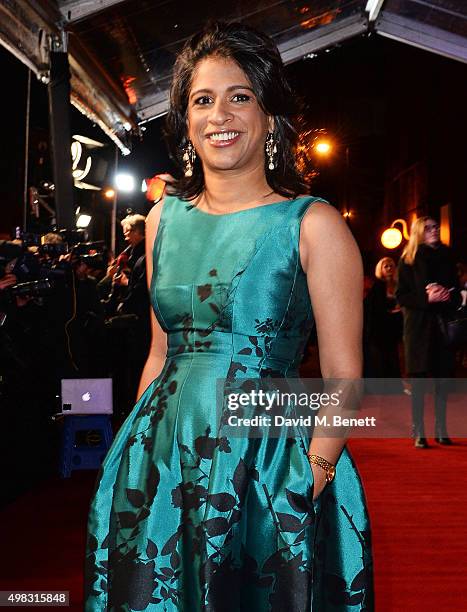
{"x": 422, "y": 35}
{"x": 74, "y": 10}
{"x": 27, "y": 33}
{"x": 30, "y": 30}
{"x": 324, "y": 37}
{"x": 152, "y": 107}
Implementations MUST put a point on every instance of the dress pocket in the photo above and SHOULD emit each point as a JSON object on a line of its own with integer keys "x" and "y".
{"x": 310, "y": 488}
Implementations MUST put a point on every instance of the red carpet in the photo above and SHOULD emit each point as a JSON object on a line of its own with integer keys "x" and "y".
{"x": 43, "y": 538}
{"x": 418, "y": 507}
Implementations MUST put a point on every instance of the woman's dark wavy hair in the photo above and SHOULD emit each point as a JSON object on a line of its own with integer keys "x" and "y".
{"x": 257, "y": 55}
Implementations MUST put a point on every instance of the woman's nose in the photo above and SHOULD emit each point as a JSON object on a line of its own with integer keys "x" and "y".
{"x": 220, "y": 112}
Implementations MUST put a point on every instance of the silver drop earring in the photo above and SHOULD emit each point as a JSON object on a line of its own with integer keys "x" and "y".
{"x": 189, "y": 156}
{"x": 271, "y": 150}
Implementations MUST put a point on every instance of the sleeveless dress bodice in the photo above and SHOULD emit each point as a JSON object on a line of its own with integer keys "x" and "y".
{"x": 243, "y": 300}
{"x": 186, "y": 517}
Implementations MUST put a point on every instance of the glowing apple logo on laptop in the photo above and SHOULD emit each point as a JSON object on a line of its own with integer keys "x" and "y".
{"x": 86, "y": 396}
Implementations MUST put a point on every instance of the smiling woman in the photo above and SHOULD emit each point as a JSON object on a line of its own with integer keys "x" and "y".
{"x": 234, "y": 76}
{"x": 189, "y": 515}
{"x": 226, "y": 124}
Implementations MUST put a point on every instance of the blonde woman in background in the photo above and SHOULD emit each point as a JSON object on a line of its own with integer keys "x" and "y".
{"x": 426, "y": 288}
{"x": 383, "y": 323}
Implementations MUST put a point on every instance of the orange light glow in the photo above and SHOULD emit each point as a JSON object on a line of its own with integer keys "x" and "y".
{"x": 319, "y": 20}
{"x": 154, "y": 188}
{"x": 109, "y": 194}
{"x": 129, "y": 89}
{"x": 323, "y": 147}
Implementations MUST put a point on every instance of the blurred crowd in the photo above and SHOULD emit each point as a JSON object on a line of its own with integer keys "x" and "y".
{"x": 73, "y": 313}
{"x": 67, "y": 312}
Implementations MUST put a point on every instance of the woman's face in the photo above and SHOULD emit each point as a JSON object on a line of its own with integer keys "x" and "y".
{"x": 387, "y": 269}
{"x": 225, "y": 122}
{"x": 431, "y": 232}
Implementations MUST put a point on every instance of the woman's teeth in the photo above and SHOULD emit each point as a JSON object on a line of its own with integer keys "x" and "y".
{"x": 223, "y": 136}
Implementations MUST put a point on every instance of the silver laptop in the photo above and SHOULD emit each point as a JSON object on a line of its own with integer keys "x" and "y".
{"x": 87, "y": 396}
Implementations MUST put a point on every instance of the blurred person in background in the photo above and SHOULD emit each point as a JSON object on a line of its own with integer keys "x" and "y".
{"x": 427, "y": 287}
{"x": 130, "y": 328}
{"x": 383, "y": 323}
{"x": 136, "y": 300}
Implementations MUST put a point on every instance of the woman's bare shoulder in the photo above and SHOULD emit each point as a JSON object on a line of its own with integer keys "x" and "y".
{"x": 324, "y": 235}
{"x": 322, "y": 216}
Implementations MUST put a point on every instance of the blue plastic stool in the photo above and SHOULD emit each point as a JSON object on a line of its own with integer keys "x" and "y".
{"x": 74, "y": 457}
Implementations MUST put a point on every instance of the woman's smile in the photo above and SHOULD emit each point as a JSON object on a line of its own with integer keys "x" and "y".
{"x": 223, "y": 139}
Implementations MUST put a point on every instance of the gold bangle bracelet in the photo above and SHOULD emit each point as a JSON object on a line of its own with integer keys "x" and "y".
{"x": 328, "y": 467}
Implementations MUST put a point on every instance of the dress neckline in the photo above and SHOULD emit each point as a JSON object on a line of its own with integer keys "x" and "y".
{"x": 236, "y": 212}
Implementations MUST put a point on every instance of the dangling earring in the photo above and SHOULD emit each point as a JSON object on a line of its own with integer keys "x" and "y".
{"x": 271, "y": 150}
{"x": 189, "y": 156}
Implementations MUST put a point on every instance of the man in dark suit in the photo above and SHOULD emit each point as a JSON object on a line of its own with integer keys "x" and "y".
{"x": 133, "y": 309}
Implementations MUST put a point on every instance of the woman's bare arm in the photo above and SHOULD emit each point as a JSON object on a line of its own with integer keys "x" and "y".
{"x": 158, "y": 350}
{"x": 333, "y": 266}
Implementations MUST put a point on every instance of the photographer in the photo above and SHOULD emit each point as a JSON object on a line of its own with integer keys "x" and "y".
{"x": 130, "y": 329}
{"x": 136, "y": 300}
{"x": 27, "y": 389}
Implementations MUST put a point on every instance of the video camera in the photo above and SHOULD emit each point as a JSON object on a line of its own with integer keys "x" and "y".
{"x": 47, "y": 265}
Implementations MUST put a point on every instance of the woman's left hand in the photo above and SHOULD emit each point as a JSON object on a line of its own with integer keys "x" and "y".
{"x": 319, "y": 477}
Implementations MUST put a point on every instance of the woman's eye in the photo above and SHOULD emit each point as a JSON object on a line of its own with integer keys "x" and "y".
{"x": 201, "y": 101}
{"x": 241, "y": 98}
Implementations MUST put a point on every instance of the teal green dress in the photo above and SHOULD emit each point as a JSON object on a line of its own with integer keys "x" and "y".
{"x": 187, "y": 517}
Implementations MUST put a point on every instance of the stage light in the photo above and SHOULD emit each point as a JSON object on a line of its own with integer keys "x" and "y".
{"x": 125, "y": 182}
{"x": 109, "y": 194}
{"x": 83, "y": 221}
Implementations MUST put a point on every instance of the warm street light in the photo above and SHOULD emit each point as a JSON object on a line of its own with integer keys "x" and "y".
{"x": 392, "y": 237}
{"x": 109, "y": 194}
{"x": 323, "y": 147}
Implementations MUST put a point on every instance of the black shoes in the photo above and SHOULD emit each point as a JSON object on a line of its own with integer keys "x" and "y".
{"x": 421, "y": 443}
{"x": 444, "y": 440}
